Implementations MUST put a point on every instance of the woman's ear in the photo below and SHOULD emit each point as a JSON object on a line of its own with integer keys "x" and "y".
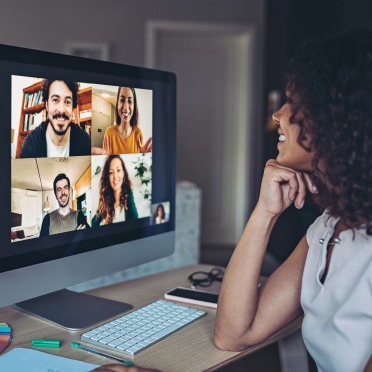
{"x": 307, "y": 142}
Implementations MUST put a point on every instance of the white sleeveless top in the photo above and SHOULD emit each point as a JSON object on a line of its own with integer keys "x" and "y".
{"x": 337, "y": 327}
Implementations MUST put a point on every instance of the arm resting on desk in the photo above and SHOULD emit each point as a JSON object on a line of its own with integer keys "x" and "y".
{"x": 246, "y": 314}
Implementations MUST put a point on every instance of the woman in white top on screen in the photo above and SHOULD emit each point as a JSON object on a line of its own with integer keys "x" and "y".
{"x": 159, "y": 216}
{"x": 116, "y": 201}
{"x": 325, "y": 148}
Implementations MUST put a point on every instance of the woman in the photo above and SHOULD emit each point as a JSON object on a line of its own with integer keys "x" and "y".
{"x": 125, "y": 137}
{"x": 325, "y": 148}
{"x": 159, "y": 216}
{"x": 116, "y": 202}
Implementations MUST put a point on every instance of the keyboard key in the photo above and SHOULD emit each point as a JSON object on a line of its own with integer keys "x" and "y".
{"x": 116, "y": 342}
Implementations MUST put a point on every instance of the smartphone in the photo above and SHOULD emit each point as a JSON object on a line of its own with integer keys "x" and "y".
{"x": 192, "y": 296}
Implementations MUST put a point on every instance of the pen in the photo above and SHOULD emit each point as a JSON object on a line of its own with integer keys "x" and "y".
{"x": 128, "y": 363}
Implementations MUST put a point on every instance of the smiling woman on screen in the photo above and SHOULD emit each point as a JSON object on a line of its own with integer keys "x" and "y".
{"x": 125, "y": 137}
{"x": 116, "y": 200}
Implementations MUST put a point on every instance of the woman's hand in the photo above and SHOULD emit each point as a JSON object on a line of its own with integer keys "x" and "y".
{"x": 282, "y": 186}
{"x": 105, "y": 150}
{"x": 147, "y": 147}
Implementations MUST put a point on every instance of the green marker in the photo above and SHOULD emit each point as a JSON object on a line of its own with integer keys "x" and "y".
{"x": 127, "y": 363}
{"x": 46, "y": 343}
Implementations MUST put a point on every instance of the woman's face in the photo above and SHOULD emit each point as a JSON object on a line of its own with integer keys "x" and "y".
{"x": 160, "y": 212}
{"x": 291, "y": 153}
{"x": 125, "y": 105}
{"x": 116, "y": 174}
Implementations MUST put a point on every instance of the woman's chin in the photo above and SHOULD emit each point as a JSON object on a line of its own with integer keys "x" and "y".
{"x": 295, "y": 164}
{"x": 284, "y": 161}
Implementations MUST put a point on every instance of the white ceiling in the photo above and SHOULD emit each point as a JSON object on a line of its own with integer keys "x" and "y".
{"x": 106, "y": 92}
{"x": 39, "y": 174}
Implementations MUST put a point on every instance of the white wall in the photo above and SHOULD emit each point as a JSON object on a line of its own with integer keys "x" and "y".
{"x": 27, "y": 206}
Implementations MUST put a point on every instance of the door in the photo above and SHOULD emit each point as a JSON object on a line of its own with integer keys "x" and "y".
{"x": 212, "y": 65}
{"x": 101, "y": 123}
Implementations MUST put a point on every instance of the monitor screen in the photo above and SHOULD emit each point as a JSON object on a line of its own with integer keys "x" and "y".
{"x": 88, "y": 165}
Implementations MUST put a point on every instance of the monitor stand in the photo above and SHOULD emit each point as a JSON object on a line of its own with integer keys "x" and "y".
{"x": 72, "y": 310}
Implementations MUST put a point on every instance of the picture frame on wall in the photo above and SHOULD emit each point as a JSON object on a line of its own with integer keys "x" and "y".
{"x": 88, "y": 50}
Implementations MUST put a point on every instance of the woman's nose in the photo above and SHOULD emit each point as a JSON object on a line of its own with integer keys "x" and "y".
{"x": 276, "y": 116}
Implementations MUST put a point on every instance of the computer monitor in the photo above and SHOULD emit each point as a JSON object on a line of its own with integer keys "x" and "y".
{"x": 84, "y": 191}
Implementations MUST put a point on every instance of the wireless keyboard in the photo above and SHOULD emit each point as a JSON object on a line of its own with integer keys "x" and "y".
{"x": 137, "y": 330}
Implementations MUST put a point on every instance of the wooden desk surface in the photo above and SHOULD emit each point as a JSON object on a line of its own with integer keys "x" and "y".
{"x": 190, "y": 349}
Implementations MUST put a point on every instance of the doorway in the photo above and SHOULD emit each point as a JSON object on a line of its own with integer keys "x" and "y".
{"x": 213, "y": 65}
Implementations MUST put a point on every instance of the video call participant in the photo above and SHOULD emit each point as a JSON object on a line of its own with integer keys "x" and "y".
{"x": 125, "y": 137}
{"x": 64, "y": 218}
{"x": 58, "y": 136}
{"x": 159, "y": 216}
{"x": 116, "y": 201}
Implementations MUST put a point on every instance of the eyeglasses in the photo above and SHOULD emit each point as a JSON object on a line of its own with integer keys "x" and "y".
{"x": 204, "y": 278}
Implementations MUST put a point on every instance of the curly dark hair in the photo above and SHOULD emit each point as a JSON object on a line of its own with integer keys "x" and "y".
{"x": 134, "y": 120}
{"x": 106, "y": 202}
{"x": 330, "y": 89}
{"x": 73, "y": 86}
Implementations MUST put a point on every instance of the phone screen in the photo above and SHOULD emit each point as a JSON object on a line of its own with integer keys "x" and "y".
{"x": 195, "y": 295}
